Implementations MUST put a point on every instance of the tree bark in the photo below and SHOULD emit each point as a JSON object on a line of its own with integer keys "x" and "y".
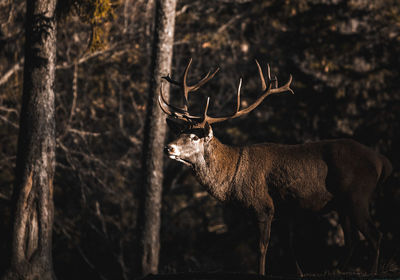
{"x": 33, "y": 208}
{"x": 155, "y": 136}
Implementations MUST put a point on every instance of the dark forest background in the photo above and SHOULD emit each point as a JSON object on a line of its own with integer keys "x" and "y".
{"x": 344, "y": 57}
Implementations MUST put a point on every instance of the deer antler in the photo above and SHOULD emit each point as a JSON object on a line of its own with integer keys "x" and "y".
{"x": 200, "y": 121}
{"x": 186, "y": 88}
{"x": 267, "y": 91}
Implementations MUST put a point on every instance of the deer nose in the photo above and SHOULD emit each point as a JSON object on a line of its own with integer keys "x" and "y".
{"x": 169, "y": 149}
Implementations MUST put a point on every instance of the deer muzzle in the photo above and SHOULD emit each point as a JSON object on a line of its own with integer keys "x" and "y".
{"x": 169, "y": 150}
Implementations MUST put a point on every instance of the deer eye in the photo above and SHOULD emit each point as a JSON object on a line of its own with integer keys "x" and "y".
{"x": 194, "y": 137}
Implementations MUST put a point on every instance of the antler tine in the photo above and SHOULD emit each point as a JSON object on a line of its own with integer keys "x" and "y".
{"x": 206, "y": 109}
{"x": 179, "y": 110}
{"x": 285, "y": 87}
{"x": 165, "y": 107}
{"x": 270, "y": 90}
{"x": 211, "y": 120}
{"x": 170, "y": 80}
{"x": 205, "y": 116}
{"x": 182, "y": 84}
{"x": 173, "y": 111}
{"x": 269, "y": 72}
{"x": 260, "y": 72}
{"x": 275, "y": 80}
{"x": 238, "y": 95}
{"x": 206, "y": 78}
{"x": 184, "y": 112}
{"x": 241, "y": 112}
{"x": 185, "y": 86}
{"x": 190, "y": 88}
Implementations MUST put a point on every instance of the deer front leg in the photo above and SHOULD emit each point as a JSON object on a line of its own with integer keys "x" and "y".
{"x": 264, "y": 223}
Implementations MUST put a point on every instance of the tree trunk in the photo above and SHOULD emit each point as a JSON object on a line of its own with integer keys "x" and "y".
{"x": 155, "y": 136}
{"x": 33, "y": 191}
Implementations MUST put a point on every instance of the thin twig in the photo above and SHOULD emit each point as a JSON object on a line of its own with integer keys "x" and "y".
{"x": 90, "y": 56}
{"x": 74, "y": 93}
{"x": 8, "y": 110}
{"x": 229, "y": 23}
{"x": 9, "y": 122}
{"x": 4, "y": 197}
{"x": 84, "y": 133}
{"x": 14, "y": 69}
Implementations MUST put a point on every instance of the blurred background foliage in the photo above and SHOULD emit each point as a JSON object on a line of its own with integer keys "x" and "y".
{"x": 343, "y": 55}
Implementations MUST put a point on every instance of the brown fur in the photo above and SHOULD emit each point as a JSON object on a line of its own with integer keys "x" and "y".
{"x": 336, "y": 174}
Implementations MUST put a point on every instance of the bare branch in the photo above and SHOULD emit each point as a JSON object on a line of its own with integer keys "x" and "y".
{"x": 74, "y": 93}
{"x": 83, "y": 59}
{"x": 9, "y": 122}
{"x": 229, "y": 23}
{"x": 8, "y": 110}
{"x": 84, "y": 133}
{"x": 4, "y": 197}
{"x": 14, "y": 69}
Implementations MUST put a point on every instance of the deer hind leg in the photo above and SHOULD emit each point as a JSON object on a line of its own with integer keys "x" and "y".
{"x": 264, "y": 223}
{"x": 292, "y": 249}
{"x": 364, "y": 224}
{"x": 350, "y": 238}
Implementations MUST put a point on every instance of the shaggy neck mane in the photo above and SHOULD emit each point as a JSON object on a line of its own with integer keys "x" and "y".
{"x": 218, "y": 169}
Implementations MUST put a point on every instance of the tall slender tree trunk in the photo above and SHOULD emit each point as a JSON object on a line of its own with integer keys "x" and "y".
{"x": 155, "y": 135}
{"x": 33, "y": 208}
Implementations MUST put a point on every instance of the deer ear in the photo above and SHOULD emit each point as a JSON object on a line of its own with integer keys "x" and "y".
{"x": 208, "y": 132}
{"x": 174, "y": 126}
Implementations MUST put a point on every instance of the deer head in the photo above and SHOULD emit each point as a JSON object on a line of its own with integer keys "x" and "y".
{"x": 189, "y": 147}
{"x": 195, "y": 132}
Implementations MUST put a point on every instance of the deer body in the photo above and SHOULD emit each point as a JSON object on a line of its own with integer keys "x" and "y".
{"x": 336, "y": 175}
{"x": 308, "y": 176}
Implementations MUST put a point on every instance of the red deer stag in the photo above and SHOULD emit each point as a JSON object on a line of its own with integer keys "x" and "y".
{"x": 341, "y": 174}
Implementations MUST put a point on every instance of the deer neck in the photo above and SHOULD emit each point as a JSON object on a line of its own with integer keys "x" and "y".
{"x": 217, "y": 169}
